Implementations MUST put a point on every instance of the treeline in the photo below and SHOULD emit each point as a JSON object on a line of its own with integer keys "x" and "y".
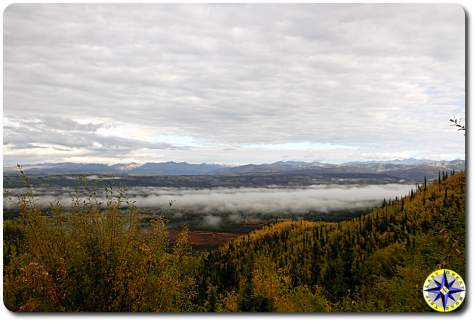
{"x": 93, "y": 258}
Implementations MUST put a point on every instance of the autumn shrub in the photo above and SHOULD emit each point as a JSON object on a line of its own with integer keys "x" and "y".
{"x": 94, "y": 257}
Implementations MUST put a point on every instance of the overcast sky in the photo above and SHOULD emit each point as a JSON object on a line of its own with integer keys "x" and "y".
{"x": 232, "y": 84}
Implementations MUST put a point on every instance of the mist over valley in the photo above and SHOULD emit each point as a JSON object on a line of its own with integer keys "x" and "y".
{"x": 228, "y": 208}
{"x": 216, "y": 197}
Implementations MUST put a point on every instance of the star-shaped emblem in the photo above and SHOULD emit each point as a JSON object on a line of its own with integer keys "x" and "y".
{"x": 444, "y": 290}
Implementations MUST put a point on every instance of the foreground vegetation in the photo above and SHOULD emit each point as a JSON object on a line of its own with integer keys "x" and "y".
{"x": 95, "y": 258}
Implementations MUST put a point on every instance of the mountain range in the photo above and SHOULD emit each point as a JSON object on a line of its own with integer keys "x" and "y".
{"x": 183, "y": 168}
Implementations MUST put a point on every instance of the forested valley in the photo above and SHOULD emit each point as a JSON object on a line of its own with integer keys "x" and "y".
{"x": 96, "y": 258}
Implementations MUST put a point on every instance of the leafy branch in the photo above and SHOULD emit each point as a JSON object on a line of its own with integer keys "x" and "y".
{"x": 459, "y": 124}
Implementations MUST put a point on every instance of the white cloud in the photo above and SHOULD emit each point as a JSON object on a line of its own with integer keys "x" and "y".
{"x": 228, "y": 80}
{"x": 300, "y": 200}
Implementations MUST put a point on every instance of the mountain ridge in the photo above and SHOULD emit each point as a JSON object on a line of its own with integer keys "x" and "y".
{"x": 172, "y": 168}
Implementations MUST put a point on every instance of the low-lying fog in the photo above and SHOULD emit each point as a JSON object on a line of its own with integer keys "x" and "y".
{"x": 320, "y": 198}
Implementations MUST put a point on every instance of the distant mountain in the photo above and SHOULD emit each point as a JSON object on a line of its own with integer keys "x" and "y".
{"x": 176, "y": 169}
{"x": 394, "y": 166}
{"x": 410, "y": 161}
{"x": 62, "y": 168}
{"x": 405, "y": 169}
{"x": 161, "y": 168}
{"x": 125, "y": 167}
{"x": 276, "y": 167}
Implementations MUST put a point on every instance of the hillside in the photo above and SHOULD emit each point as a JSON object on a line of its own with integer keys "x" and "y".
{"x": 376, "y": 262}
{"x": 97, "y": 258}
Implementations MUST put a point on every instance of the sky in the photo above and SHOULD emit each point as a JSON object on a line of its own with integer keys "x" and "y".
{"x": 232, "y": 84}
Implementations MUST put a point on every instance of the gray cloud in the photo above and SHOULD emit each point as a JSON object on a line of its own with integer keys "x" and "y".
{"x": 380, "y": 79}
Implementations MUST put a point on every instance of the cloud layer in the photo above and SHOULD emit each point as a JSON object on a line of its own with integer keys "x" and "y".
{"x": 215, "y": 202}
{"x": 232, "y": 83}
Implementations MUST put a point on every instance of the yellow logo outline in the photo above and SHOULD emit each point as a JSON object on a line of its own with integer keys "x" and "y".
{"x": 441, "y": 285}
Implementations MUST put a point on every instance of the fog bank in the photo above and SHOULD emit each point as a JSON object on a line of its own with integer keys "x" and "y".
{"x": 320, "y": 198}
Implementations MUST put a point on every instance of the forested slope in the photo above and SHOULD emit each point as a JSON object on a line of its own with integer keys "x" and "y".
{"x": 93, "y": 257}
{"x": 376, "y": 262}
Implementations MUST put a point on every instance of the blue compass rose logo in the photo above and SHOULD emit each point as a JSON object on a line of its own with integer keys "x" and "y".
{"x": 444, "y": 290}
